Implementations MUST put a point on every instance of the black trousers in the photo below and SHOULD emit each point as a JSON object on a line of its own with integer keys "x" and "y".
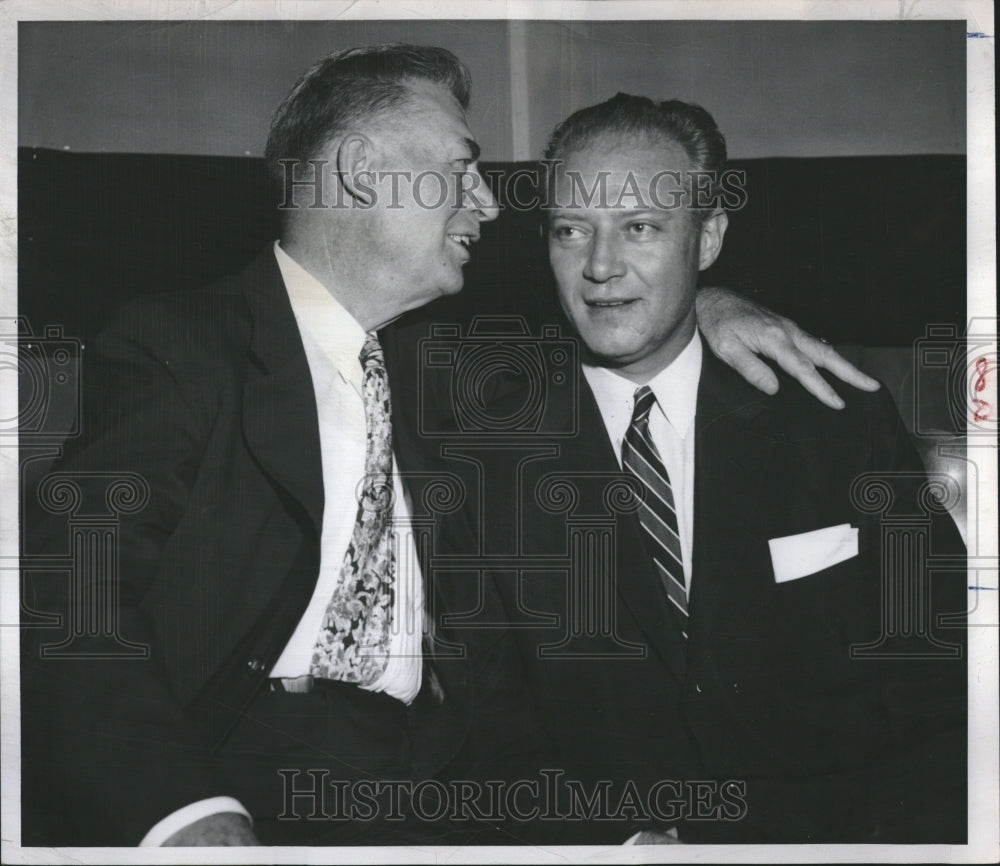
{"x": 337, "y": 766}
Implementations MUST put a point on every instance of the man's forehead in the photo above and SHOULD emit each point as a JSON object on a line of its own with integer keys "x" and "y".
{"x": 619, "y": 159}
{"x": 625, "y": 180}
{"x": 620, "y": 177}
{"x": 611, "y": 211}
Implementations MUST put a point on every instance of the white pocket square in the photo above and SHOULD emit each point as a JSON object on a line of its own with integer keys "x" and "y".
{"x": 795, "y": 556}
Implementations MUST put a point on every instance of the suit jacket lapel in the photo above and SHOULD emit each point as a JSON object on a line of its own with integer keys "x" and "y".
{"x": 638, "y": 585}
{"x": 732, "y": 449}
{"x": 279, "y": 406}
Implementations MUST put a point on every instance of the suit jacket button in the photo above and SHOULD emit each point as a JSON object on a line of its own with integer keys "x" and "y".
{"x": 255, "y": 665}
{"x": 697, "y": 688}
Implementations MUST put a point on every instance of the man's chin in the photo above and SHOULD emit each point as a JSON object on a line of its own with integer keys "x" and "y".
{"x": 453, "y": 286}
{"x": 606, "y": 356}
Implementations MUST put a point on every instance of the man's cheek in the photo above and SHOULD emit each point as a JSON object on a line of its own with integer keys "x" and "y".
{"x": 569, "y": 276}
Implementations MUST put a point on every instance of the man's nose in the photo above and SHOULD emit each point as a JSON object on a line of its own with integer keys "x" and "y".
{"x": 605, "y": 260}
{"x": 479, "y": 198}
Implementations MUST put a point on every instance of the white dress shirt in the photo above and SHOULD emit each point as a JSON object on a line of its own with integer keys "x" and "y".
{"x": 671, "y": 427}
{"x": 332, "y": 340}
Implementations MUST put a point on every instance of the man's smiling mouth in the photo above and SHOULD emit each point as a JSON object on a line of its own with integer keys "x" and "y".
{"x": 609, "y": 304}
{"x": 464, "y": 240}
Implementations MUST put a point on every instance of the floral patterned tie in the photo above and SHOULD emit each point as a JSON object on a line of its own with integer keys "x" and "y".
{"x": 353, "y": 643}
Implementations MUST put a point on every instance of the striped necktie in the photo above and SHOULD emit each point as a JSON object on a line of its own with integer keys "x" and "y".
{"x": 353, "y": 644}
{"x": 656, "y": 513}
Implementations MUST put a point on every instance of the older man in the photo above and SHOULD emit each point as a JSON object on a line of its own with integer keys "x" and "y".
{"x": 721, "y": 660}
{"x": 266, "y": 639}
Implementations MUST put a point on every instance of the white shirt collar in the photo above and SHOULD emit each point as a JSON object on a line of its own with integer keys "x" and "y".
{"x": 320, "y": 316}
{"x": 675, "y": 387}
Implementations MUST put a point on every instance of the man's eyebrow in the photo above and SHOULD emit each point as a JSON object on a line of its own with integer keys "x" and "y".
{"x": 630, "y": 213}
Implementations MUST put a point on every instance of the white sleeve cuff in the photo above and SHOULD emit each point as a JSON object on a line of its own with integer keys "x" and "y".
{"x": 186, "y": 815}
{"x": 634, "y": 839}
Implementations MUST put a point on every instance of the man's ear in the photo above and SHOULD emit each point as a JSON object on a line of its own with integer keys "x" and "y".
{"x": 355, "y": 161}
{"x": 710, "y": 243}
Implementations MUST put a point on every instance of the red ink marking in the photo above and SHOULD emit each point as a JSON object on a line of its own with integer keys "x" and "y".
{"x": 982, "y": 411}
{"x": 982, "y": 368}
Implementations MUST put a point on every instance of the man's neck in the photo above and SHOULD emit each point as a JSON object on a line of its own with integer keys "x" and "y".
{"x": 644, "y": 370}
{"x": 342, "y": 278}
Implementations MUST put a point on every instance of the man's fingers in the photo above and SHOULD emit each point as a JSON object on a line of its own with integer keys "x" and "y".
{"x": 816, "y": 385}
{"x": 751, "y": 368}
{"x": 802, "y": 368}
{"x": 824, "y": 355}
{"x": 799, "y": 366}
{"x": 736, "y": 328}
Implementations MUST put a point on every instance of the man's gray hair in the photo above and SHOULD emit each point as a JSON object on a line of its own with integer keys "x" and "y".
{"x": 351, "y": 86}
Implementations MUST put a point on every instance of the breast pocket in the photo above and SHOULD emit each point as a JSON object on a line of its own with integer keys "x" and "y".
{"x": 794, "y": 557}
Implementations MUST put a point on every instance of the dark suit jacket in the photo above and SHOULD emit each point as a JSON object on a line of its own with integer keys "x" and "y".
{"x": 821, "y": 746}
{"x": 200, "y": 449}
